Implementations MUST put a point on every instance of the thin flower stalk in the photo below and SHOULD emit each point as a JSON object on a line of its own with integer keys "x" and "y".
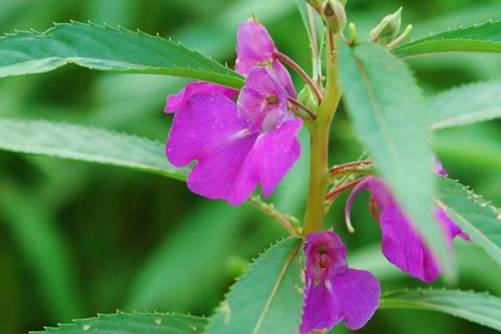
{"x": 310, "y": 113}
{"x": 302, "y": 73}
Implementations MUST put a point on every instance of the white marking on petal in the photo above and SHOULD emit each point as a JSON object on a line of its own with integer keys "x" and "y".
{"x": 328, "y": 285}
{"x": 242, "y": 133}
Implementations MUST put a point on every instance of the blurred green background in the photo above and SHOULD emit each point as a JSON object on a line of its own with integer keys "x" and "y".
{"x": 78, "y": 239}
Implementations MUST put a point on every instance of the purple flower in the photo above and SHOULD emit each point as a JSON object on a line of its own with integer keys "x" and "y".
{"x": 255, "y": 47}
{"x": 401, "y": 243}
{"x": 334, "y": 292}
{"x": 236, "y": 148}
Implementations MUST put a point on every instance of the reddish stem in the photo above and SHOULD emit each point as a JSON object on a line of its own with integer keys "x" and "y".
{"x": 301, "y": 106}
{"x": 302, "y": 73}
{"x": 336, "y": 169}
{"x": 336, "y": 192}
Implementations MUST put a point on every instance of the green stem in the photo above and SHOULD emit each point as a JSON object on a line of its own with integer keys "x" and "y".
{"x": 319, "y": 161}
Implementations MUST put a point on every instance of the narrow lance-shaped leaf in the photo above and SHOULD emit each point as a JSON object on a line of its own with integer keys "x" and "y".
{"x": 109, "y": 49}
{"x": 467, "y": 104}
{"x": 43, "y": 250}
{"x": 480, "y": 308}
{"x": 268, "y": 298}
{"x": 478, "y": 38}
{"x": 173, "y": 271}
{"x": 135, "y": 323}
{"x": 478, "y": 218}
{"x": 388, "y": 113}
{"x": 86, "y": 144}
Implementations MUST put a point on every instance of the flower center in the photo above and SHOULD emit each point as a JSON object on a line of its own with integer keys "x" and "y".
{"x": 323, "y": 258}
{"x": 272, "y": 99}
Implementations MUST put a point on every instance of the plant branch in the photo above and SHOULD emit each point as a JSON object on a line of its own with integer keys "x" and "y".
{"x": 319, "y": 138}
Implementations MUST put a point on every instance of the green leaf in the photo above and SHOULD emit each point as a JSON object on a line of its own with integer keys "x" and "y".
{"x": 106, "y": 48}
{"x": 135, "y": 323}
{"x": 86, "y": 144}
{"x": 465, "y": 105}
{"x": 268, "y": 298}
{"x": 388, "y": 113}
{"x": 170, "y": 279}
{"x": 43, "y": 248}
{"x": 477, "y": 38}
{"x": 480, "y": 308}
{"x": 478, "y": 218}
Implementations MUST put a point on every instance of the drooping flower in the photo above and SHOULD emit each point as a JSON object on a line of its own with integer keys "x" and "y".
{"x": 255, "y": 47}
{"x": 237, "y": 146}
{"x": 401, "y": 243}
{"x": 333, "y": 291}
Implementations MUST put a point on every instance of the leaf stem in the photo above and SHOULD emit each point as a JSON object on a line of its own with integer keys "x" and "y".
{"x": 279, "y": 217}
{"x": 319, "y": 141}
{"x": 302, "y": 73}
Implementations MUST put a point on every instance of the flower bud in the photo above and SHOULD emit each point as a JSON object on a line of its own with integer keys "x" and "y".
{"x": 334, "y": 15}
{"x": 307, "y": 98}
{"x": 388, "y": 29}
{"x": 316, "y": 4}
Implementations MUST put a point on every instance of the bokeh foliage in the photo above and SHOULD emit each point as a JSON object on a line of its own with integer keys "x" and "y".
{"x": 79, "y": 239}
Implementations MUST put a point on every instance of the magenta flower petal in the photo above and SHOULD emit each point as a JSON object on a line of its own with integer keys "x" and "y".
{"x": 452, "y": 230}
{"x": 263, "y": 101}
{"x": 206, "y": 124}
{"x": 218, "y": 176}
{"x": 439, "y": 168}
{"x": 273, "y": 155}
{"x": 401, "y": 243}
{"x": 357, "y": 293}
{"x": 334, "y": 292}
{"x": 176, "y": 102}
{"x": 255, "y": 46}
{"x": 284, "y": 77}
{"x": 404, "y": 247}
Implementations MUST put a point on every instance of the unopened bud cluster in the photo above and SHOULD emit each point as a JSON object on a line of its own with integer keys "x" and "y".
{"x": 388, "y": 29}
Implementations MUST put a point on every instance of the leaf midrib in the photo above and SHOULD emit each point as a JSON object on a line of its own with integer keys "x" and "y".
{"x": 438, "y": 307}
{"x": 478, "y": 233}
{"x": 383, "y": 129}
{"x": 276, "y": 286}
{"x": 452, "y": 121}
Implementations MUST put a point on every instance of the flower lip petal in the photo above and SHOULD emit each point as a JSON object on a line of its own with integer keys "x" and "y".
{"x": 204, "y": 124}
{"x": 334, "y": 292}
